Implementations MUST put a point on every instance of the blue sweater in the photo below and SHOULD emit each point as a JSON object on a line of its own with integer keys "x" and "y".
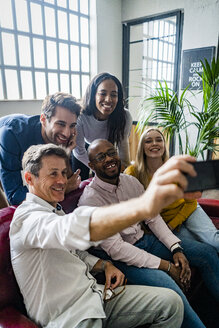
{"x": 17, "y": 133}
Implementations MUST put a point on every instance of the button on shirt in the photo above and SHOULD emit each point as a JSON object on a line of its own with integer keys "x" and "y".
{"x": 121, "y": 246}
{"x": 53, "y": 275}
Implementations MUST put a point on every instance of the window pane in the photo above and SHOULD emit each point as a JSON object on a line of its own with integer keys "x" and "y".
{"x": 53, "y": 83}
{"x": 11, "y": 84}
{"x": 160, "y": 50}
{"x": 53, "y": 41}
{"x": 27, "y": 84}
{"x": 1, "y": 87}
{"x": 38, "y": 50}
{"x": 168, "y": 72}
{"x": 74, "y": 58}
{"x": 84, "y": 30}
{"x": 164, "y": 75}
{"x": 73, "y": 5}
{"x": 63, "y": 56}
{"x": 73, "y": 28}
{"x": 75, "y": 83}
{"x": 135, "y": 60}
{"x": 36, "y": 19}
{"x": 64, "y": 80}
{"x": 50, "y": 22}
{"x": 166, "y": 28}
{"x": 160, "y": 67}
{"x": 21, "y": 15}
{"x": 155, "y": 46}
{"x": 24, "y": 50}
{"x": 85, "y": 82}
{"x": 8, "y": 49}
{"x": 154, "y": 70}
{"x": 85, "y": 59}
{"x": 165, "y": 51}
{"x": 62, "y": 25}
{"x": 6, "y": 14}
{"x": 51, "y": 54}
{"x": 84, "y": 6}
{"x": 136, "y": 32}
{"x": 61, "y": 3}
{"x": 40, "y": 85}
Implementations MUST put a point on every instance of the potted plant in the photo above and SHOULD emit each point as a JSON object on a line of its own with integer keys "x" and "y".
{"x": 166, "y": 108}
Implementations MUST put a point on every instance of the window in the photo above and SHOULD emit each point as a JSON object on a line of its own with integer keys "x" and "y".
{"x": 153, "y": 47}
{"x": 44, "y": 48}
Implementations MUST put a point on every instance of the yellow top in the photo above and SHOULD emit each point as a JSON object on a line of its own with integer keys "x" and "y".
{"x": 176, "y": 213}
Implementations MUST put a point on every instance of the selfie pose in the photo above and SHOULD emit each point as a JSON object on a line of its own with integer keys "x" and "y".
{"x": 105, "y": 117}
{"x": 185, "y": 217}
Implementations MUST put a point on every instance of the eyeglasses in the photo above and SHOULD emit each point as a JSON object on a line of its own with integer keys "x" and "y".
{"x": 101, "y": 157}
{"x": 109, "y": 294}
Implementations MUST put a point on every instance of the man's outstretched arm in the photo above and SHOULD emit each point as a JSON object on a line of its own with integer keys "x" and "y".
{"x": 168, "y": 184}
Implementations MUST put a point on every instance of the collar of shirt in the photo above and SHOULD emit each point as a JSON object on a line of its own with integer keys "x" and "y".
{"x": 105, "y": 185}
{"x": 33, "y": 198}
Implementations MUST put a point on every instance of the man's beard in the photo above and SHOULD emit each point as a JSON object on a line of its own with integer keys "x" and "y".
{"x": 104, "y": 175}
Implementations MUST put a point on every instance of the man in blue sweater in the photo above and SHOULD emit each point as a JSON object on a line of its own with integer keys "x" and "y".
{"x": 56, "y": 124}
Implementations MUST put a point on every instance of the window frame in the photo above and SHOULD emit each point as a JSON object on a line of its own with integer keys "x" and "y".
{"x": 126, "y": 46}
{"x": 126, "y": 53}
{"x": 44, "y": 37}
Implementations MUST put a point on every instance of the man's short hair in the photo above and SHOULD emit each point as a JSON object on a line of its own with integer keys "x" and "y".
{"x": 32, "y": 159}
{"x": 62, "y": 99}
{"x": 93, "y": 144}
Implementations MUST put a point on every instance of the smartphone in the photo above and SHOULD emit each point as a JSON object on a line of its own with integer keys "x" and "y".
{"x": 207, "y": 176}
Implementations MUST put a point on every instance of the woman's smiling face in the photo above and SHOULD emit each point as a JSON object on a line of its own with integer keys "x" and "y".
{"x": 106, "y": 99}
{"x": 154, "y": 145}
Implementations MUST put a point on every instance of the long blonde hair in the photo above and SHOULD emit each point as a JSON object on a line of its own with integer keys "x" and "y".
{"x": 140, "y": 165}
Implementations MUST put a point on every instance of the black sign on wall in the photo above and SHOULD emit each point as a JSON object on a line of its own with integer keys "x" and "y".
{"x": 191, "y": 65}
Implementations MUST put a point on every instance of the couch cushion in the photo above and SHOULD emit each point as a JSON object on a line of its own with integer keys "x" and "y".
{"x": 71, "y": 199}
{"x": 12, "y": 318}
{"x": 9, "y": 291}
{"x": 211, "y": 207}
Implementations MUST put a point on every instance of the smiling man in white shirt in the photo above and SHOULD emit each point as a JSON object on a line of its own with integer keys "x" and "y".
{"x": 51, "y": 266}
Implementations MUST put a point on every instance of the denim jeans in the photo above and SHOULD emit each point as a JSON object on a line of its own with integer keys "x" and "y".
{"x": 200, "y": 227}
{"x": 200, "y": 255}
{"x": 139, "y": 305}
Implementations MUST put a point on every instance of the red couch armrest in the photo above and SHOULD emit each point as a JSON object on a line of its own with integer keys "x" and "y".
{"x": 12, "y": 318}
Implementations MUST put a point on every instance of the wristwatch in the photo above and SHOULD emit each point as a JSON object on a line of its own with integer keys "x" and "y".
{"x": 176, "y": 248}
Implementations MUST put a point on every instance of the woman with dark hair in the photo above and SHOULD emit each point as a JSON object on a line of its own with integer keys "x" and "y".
{"x": 103, "y": 117}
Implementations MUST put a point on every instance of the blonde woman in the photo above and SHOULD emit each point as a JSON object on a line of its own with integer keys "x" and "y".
{"x": 185, "y": 217}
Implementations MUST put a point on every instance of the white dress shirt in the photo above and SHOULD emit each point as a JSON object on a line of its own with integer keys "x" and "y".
{"x": 52, "y": 274}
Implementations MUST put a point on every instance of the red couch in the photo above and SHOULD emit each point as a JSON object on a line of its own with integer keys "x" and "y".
{"x": 12, "y": 310}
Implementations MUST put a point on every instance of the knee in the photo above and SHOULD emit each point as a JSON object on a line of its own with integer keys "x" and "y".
{"x": 174, "y": 300}
{"x": 173, "y": 303}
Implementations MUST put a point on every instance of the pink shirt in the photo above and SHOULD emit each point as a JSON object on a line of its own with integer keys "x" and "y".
{"x": 121, "y": 246}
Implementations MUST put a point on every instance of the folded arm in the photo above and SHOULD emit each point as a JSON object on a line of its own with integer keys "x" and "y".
{"x": 120, "y": 250}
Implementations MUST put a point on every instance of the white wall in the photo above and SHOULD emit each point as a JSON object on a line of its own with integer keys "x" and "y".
{"x": 21, "y": 106}
{"x": 109, "y": 37}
